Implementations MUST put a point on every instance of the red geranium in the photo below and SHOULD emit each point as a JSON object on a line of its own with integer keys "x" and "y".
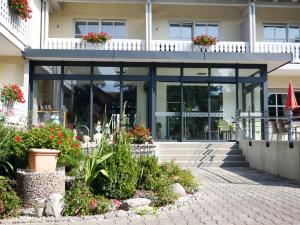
{"x": 18, "y": 138}
{"x": 205, "y": 40}
{"x": 21, "y": 8}
{"x": 12, "y": 93}
{"x": 92, "y": 37}
{"x": 94, "y": 203}
{"x": 140, "y": 133}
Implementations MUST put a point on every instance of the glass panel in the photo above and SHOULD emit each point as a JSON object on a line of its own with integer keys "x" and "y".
{"x": 136, "y": 71}
{"x": 107, "y": 71}
{"x": 269, "y": 33}
{"x": 250, "y": 99}
{"x": 281, "y": 99}
{"x": 249, "y": 73}
{"x": 195, "y": 71}
{"x": 165, "y": 71}
{"x": 200, "y": 29}
{"x": 223, "y": 106}
{"x": 77, "y": 70}
{"x": 223, "y": 72}
{"x": 77, "y": 105}
{"x": 107, "y": 27}
{"x": 46, "y": 96}
{"x": 272, "y": 99}
{"x": 168, "y": 122}
{"x": 195, "y": 114}
{"x": 294, "y": 33}
{"x": 186, "y": 32}
{"x": 213, "y": 30}
{"x": 107, "y": 103}
{"x": 80, "y": 28}
{"x": 282, "y": 112}
{"x": 93, "y": 27}
{"x": 120, "y": 30}
{"x": 47, "y": 69}
{"x": 135, "y": 93}
{"x": 174, "y": 31}
{"x": 280, "y": 33}
{"x": 272, "y": 111}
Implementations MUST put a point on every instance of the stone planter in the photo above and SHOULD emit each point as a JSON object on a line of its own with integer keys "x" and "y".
{"x": 42, "y": 160}
{"x": 143, "y": 149}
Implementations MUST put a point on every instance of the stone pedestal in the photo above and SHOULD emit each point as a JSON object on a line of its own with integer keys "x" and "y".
{"x": 39, "y": 185}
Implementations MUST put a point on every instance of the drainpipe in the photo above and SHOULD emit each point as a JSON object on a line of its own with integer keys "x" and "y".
{"x": 252, "y": 24}
{"x": 44, "y": 22}
{"x": 148, "y": 24}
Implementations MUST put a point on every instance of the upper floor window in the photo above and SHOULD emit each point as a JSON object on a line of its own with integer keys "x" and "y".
{"x": 115, "y": 28}
{"x": 282, "y": 32}
{"x": 186, "y": 31}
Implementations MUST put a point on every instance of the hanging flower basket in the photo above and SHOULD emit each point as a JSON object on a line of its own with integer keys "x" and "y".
{"x": 94, "y": 38}
{"x": 21, "y": 8}
{"x": 205, "y": 40}
{"x": 11, "y": 94}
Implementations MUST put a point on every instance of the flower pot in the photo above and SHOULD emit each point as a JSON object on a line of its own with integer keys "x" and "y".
{"x": 43, "y": 160}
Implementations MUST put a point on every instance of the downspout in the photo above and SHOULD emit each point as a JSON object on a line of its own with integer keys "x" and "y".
{"x": 41, "y": 24}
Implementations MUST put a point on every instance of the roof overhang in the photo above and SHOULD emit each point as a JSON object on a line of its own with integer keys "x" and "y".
{"x": 274, "y": 60}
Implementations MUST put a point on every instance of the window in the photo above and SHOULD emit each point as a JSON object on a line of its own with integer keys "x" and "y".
{"x": 210, "y": 29}
{"x": 277, "y": 104}
{"x": 181, "y": 31}
{"x": 282, "y": 32}
{"x": 185, "y": 31}
{"x": 116, "y": 29}
{"x": 84, "y": 27}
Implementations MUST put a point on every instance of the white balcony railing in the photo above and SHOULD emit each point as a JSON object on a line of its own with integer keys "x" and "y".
{"x": 16, "y": 26}
{"x": 223, "y": 46}
{"x": 279, "y": 47}
{"x": 114, "y": 44}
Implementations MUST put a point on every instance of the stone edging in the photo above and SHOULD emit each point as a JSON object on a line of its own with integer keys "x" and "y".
{"x": 181, "y": 202}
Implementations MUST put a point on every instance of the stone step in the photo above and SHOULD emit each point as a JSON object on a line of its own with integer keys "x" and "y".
{"x": 199, "y": 152}
{"x": 201, "y": 158}
{"x": 213, "y": 163}
{"x": 197, "y": 145}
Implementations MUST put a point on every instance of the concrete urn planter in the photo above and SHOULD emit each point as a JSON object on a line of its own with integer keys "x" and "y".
{"x": 43, "y": 160}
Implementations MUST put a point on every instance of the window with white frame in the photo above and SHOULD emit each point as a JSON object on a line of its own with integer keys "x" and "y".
{"x": 276, "y": 104}
{"x": 115, "y": 28}
{"x": 188, "y": 30}
{"x": 282, "y": 32}
{"x": 84, "y": 27}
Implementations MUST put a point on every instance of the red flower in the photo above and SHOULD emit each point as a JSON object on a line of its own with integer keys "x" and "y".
{"x": 52, "y": 137}
{"x": 61, "y": 134}
{"x": 18, "y": 139}
{"x": 77, "y": 137}
{"x": 59, "y": 142}
{"x": 94, "y": 203}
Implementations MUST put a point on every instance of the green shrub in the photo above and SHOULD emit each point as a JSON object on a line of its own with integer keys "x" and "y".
{"x": 164, "y": 196}
{"x": 121, "y": 168}
{"x": 51, "y": 136}
{"x": 149, "y": 173}
{"x": 10, "y": 203}
{"x": 79, "y": 201}
{"x": 179, "y": 175}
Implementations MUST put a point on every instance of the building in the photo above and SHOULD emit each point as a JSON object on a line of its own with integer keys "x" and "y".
{"x": 182, "y": 91}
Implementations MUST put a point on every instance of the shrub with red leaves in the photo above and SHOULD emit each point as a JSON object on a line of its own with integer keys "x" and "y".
{"x": 21, "y": 8}
{"x": 12, "y": 93}
{"x": 92, "y": 37}
{"x": 205, "y": 40}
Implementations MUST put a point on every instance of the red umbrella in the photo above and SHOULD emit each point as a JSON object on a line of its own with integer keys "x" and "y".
{"x": 291, "y": 101}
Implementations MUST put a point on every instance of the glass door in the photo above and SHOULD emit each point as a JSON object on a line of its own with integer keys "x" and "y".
{"x": 195, "y": 111}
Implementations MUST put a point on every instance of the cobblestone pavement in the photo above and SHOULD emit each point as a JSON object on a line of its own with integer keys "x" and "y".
{"x": 234, "y": 196}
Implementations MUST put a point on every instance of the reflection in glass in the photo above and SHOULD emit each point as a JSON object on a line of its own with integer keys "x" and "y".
{"x": 195, "y": 71}
{"x": 77, "y": 70}
{"x": 168, "y": 122}
{"x": 249, "y": 73}
{"x": 135, "y": 93}
{"x": 195, "y": 114}
{"x": 46, "y": 95}
{"x": 105, "y": 70}
{"x": 77, "y": 105}
{"x": 165, "y": 71}
{"x": 107, "y": 103}
{"x": 136, "y": 71}
{"x": 223, "y": 72}
{"x": 47, "y": 69}
{"x": 223, "y": 105}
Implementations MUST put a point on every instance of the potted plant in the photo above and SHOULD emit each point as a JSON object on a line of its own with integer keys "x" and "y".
{"x": 21, "y": 8}
{"x": 93, "y": 39}
{"x": 140, "y": 134}
{"x": 10, "y": 94}
{"x": 42, "y": 160}
{"x": 204, "y": 41}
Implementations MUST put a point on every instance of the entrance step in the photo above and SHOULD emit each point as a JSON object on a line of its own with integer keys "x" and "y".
{"x": 202, "y": 154}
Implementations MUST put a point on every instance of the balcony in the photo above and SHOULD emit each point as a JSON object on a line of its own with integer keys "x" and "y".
{"x": 14, "y": 25}
{"x": 279, "y": 47}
